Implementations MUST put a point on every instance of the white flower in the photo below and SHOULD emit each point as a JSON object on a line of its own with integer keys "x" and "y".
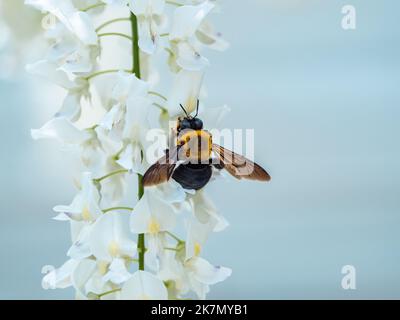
{"x": 197, "y": 235}
{"x": 202, "y": 274}
{"x": 134, "y": 133}
{"x": 77, "y": 22}
{"x": 131, "y": 158}
{"x": 128, "y": 85}
{"x": 77, "y": 88}
{"x": 61, "y": 277}
{"x": 85, "y": 205}
{"x": 62, "y": 130}
{"x": 80, "y": 248}
{"x": 100, "y": 154}
{"x": 87, "y": 278}
{"x": 203, "y": 221}
{"x": 171, "y": 192}
{"x": 187, "y": 19}
{"x": 117, "y": 271}
{"x": 69, "y": 53}
{"x": 110, "y": 237}
{"x": 111, "y": 242}
{"x": 185, "y": 90}
{"x": 205, "y": 211}
{"x": 206, "y": 34}
{"x": 144, "y": 286}
{"x": 127, "y": 120}
{"x": 152, "y": 216}
{"x": 112, "y": 139}
{"x": 150, "y": 19}
{"x": 195, "y": 274}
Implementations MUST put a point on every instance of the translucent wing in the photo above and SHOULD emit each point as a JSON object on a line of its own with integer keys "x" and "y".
{"x": 162, "y": 170}
{"x": 239, "y": 166}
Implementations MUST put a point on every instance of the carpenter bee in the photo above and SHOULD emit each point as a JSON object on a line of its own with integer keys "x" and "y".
{"x": 190, "y": 161}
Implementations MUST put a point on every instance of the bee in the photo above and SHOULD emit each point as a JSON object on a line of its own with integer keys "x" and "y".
{"x": 190, "y": 163}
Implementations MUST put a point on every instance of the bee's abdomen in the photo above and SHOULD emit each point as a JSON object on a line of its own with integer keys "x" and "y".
{"x": 192, "y": 176}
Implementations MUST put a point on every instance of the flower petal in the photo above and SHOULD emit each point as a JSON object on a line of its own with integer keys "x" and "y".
{"x": 71, "y": 108}
{"x": 207, "y": 35}
{"x": 144, "y": 286}
{"x": 59, "y": 278}
{"x": 60, "y": 129}
{"x": 117, "y": 273}
{"x": 189, "y": 58}
{"x": 110, "y": 237}
{"x": 152, "y": 215}
{"x": 185, "y": 90}
{"x": 187, "y": 19}
{"x": 206, "y": 273}
{"x": 83, "y": 28}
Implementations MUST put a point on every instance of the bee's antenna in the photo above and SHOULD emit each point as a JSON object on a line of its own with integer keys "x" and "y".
{"x": 197, "y": 108}
{"x": 184, "y": 110}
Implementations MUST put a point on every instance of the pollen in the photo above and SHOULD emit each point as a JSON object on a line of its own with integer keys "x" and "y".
{"x": 86, "y": 214}
{"x": 102, "y": 267}
{"x": 197, "y": 249}
{"x": 153, "y": 227}
{"x": 113, "y": 248}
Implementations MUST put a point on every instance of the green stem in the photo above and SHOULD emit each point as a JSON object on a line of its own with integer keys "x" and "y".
{"x": 135, "y": 46}
{"x": 159, "y": 106}
{"x": 141, "y": 242}
{"x": 174, "y": 3}
{"x": 107, "y": 292}
{"x": 111, "y": 174}
{"x": 99, "y": 73}
{"x": 107, "y": 34}
{"x": 170, "y": 52}
{"x": 136, "y": 70}
{"x": 93, "y": 6}
{"x": 173, "y": 236}
{"x": 105, "y": 24}
{"x": 154, "y": 93}
{"x": 117, "y": 208}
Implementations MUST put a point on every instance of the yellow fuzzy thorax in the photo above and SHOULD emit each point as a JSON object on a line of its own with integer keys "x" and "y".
{"x": 195, "y": 145}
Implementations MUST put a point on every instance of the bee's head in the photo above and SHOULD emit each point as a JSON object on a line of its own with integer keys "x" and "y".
{"x": 189, "y": 122}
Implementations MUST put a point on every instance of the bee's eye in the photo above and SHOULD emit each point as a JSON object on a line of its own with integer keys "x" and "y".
{"x": 197, "y": 124}
{"x": 184, "y": 124}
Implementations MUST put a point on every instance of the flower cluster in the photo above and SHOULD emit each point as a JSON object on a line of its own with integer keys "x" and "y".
{"x": 123, "y": 246}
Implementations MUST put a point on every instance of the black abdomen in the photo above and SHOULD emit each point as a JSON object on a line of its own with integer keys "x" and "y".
{"x": 192, "y": 176}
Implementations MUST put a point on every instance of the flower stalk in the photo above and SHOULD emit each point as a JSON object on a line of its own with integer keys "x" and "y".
{"x": 117, "y": 34}
{"x": 107, "y": 23}
{"x": 136, "y": 70}
{"x": 110, "y": 228}
{"x": 122, "y": 171}
{"x": 117, "y": 208}
{"x": 99, "y": 73}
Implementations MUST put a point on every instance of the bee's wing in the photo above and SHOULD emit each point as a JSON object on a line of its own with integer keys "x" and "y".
{"x": 162, "y": 170}
{"x": 239, "y": 166}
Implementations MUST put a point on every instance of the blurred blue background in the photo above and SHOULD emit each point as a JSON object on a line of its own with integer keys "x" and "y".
{"x": 325, "y": 106}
